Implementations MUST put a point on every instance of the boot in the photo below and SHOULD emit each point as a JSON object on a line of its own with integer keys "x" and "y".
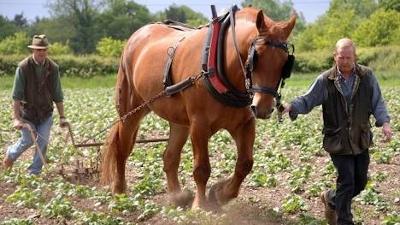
{"x": 330, "y": 214}
{"x": 7, "y": 162}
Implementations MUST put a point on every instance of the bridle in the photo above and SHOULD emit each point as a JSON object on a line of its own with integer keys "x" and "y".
{"x": 250, "y": 65}
{"x": 252, "y": 61}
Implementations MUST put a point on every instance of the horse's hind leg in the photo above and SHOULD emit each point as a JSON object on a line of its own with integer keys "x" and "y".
{"x": 177, "y": 138}
{"x": 224, "y": 191}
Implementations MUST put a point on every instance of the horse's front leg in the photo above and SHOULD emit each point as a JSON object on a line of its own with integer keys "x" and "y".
{"x": 177, "y": 138}
{"x": 200, "y": 134}
{"x": 224, "y": 191}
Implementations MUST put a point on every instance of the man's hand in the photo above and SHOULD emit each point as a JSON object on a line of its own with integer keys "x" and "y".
{"x": 387, "y": 131}
{"x": 63, "y": 122}
{"x": 18, "y": 124}
{"x": 287, "y": 109}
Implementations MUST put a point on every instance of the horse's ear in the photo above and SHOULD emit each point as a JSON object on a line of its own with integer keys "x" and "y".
{"x": 289, "y": 25}
{"x": 260, "y": 23}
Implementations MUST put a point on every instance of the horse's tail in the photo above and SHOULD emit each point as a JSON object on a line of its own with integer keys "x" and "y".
{"x": 111, "y": 148}
{"x": 109, "y": 156}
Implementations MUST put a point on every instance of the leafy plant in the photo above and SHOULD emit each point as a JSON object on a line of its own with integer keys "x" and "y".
{"x": 391, "y": 219}
{"x": 293, "y": 204}
{"x": 15, "y": 44}
{"x": 15, "y": 221}
{"x": 110, "y": 47}
{"x": 26, "y": 197}
{"x": 58, "y": 207}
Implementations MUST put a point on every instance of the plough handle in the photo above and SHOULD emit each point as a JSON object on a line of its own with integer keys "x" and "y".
{"x": 33, "y": 136}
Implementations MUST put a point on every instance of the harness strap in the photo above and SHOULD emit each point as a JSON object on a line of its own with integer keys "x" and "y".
{"x": 179, "y": 86}
{"x": 167, "y": 80}
{"x": 232, "y": 19}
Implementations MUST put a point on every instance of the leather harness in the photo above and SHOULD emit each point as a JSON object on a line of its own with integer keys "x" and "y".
{"x": 213, "y": 63}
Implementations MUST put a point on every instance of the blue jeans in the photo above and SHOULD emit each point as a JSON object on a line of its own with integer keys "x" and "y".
{"x": 42, "y": 132}
{"x": 352, "y": 178}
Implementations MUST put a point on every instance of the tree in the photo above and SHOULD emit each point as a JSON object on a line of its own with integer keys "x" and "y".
{"x": 327, "y": 30}
{"x": 120, "y": 18}
{"x": 278, "y": 10}
{"x": 390, "y": 4}
{"x": 7, "y": 27}
{"x": 15, "y": 44}
{"x": 362, "y": 8}
{"x": 20, "y": 21}
{"x": 382, "y": 28}
{"x": 274, "y": 9}
{"x": 341, "y": 19}
{"x": 183, "y": 14}
{"x": 81, "y": 14}
{"x": 59, "y": 29}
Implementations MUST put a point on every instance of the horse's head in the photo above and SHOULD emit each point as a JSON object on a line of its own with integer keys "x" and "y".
{"x": 267, "y": 63}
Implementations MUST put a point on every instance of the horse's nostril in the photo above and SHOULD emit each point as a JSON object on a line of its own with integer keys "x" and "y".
{"x": 272, "y": 109}
{"x": 254, "y": 109}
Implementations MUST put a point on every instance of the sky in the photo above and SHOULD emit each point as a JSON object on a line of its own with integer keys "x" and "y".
{"x": 31, "y": 9}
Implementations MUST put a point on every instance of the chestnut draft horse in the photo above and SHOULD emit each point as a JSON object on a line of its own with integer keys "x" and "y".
{"x": 195, "y": 111}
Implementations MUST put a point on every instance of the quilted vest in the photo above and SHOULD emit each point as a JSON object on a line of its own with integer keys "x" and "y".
{"x": 38, "y": 101}
{"x": 347, "y": 129}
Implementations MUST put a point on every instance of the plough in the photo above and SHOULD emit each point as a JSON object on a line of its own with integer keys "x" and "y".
{"x": 80, "y": 169}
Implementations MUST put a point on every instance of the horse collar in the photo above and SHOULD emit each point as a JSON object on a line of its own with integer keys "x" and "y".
{"x": 212, "y": 64}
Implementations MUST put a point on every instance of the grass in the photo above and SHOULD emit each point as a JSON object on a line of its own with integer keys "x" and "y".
{"x": 386, "y": 79}
{"x": 103, "y": 81}
{"x": 106, "y": 81}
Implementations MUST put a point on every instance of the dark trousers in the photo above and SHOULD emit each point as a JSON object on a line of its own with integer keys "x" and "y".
{"x": 352, "y": 178}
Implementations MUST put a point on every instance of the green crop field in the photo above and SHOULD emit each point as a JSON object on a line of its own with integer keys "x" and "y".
{"x": 290, "y": 169}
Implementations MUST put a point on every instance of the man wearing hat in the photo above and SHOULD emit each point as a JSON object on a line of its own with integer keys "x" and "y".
{"x": 36, "y": 86}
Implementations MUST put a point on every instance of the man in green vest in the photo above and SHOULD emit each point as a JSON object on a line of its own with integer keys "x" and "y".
{"x": 36, "y": 86}
{"x": 349, "y": 93}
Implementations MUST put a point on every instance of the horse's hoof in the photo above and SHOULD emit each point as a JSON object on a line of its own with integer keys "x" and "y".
{"x": 118, "y": 189}
{"x": 182, "y": 199}
{"x": 213, "y": 195}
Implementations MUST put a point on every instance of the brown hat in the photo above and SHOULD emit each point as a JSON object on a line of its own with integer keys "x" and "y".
{"x": 39, "y": 42}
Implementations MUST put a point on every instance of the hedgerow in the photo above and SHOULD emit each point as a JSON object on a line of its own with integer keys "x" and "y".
{"x": 70, "y": 65}
{"x": 385, "y": 58}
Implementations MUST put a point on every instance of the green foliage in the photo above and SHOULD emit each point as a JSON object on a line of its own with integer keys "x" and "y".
{"x": 313, "y": 61}
{"x": 183, "y": 14}
{"x": 325, "y": 32}
{"x": 390, "y": 4}
{"x": 15, "y": 221}
{"x": 15, "y": 44}
{"x": 7, "y": 27}
{"x": 81, "y": 15}
{"x": 91, "y": 218}
{"x": 109, "y": 47}
{"x": 120, "y": 18}
{"x": 381, "y": 29}
{"x": 362, "y": 8}
{"x": 293, "y": 204}
{"x": 58, "y": 207}
{"x": 58, "y": 29}
{"x": 280, "y": 11}
{"x": 276, "y": 10}
{"x": 380, "y": 59}
{"x": 276, "y": 152}
{"x": 58, "y": 48}
{"x": 69, "y": 65}
{"x": 392, "y": 219}
{"x": 24, "y": 196}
